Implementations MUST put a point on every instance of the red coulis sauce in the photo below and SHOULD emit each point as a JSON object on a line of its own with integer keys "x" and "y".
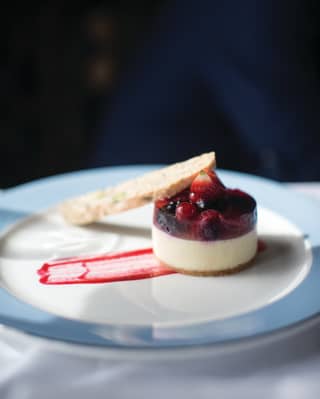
{"x": 112, "y": 267}
{"x": 262, "y": 246}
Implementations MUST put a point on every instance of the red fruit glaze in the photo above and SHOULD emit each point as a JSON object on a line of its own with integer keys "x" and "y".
{"x": 262, "y": 246}
{"x": 210, "y": 212}
{"x": 121, "y": 266}
{"x": 207, "y": 226}
{"x": 186, "y": 211}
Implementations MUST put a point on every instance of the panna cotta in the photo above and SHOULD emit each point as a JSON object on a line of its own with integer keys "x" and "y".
{"x": 207, "y": 229}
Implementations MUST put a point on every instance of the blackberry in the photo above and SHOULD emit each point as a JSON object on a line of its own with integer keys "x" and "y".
{"x": 166, "y": 222}
{"x": 171, "y": 207}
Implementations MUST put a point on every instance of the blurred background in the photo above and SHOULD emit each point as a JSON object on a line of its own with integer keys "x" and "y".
{"x": 123, "y": 82}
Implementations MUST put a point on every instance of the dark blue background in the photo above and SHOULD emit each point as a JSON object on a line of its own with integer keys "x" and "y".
{"x": 238, "y": 77}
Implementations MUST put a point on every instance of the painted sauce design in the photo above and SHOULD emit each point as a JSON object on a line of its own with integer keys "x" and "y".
{"x": 112, "y": 267}
{"x": 121, "y": 266}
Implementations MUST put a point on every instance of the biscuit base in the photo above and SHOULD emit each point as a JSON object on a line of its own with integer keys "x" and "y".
{"x": 212, "y": 273}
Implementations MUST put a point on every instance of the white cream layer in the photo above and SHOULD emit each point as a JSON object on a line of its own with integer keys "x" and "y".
{"x": 204, "y": 256}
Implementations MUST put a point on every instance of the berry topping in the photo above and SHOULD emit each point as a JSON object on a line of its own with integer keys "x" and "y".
{"x": 240, "y": 201}
{"x": 208, "y": 224}
{"x": 207, "y": 187}
{"x": 206, "y": 211}
{"x": 186, "y": 211}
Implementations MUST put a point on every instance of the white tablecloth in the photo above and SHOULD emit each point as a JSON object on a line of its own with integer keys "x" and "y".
{"x": 284, "y": 368}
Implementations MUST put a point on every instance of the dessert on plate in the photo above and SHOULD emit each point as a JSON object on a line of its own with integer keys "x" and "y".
{"x": 199, "y": 226}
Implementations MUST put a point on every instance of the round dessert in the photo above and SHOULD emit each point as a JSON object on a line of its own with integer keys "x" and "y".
{"x": 207, "y": 229}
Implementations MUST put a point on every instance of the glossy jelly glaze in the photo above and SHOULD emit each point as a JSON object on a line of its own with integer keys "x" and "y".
{"x": 206, "y": 211}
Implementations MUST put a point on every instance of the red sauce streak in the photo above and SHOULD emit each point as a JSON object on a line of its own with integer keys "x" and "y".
{"x": 121, "y": 266}
{"x": 112, "y": 267}
{"x": 262, "y": 246}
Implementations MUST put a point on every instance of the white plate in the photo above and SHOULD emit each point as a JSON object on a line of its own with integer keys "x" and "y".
{"x": 169, "y": 311}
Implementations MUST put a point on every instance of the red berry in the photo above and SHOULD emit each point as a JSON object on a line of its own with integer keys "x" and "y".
{"x": 201, "y": 183}
{"x": 208, "y": 224}
{"x": 195, "y": 197}
{"x": 160, "y": 203}
{"x": 186, "y": 211}
{"x": 214, "y": 177}
{"x": 207, "y": 187}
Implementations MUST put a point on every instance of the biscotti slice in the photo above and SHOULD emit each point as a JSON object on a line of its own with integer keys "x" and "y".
{"x": 161, "y": 183}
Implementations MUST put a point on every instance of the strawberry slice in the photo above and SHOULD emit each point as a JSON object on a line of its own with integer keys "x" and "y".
{"x": 214, "y": 177}
{"x": 207, "y": 186}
